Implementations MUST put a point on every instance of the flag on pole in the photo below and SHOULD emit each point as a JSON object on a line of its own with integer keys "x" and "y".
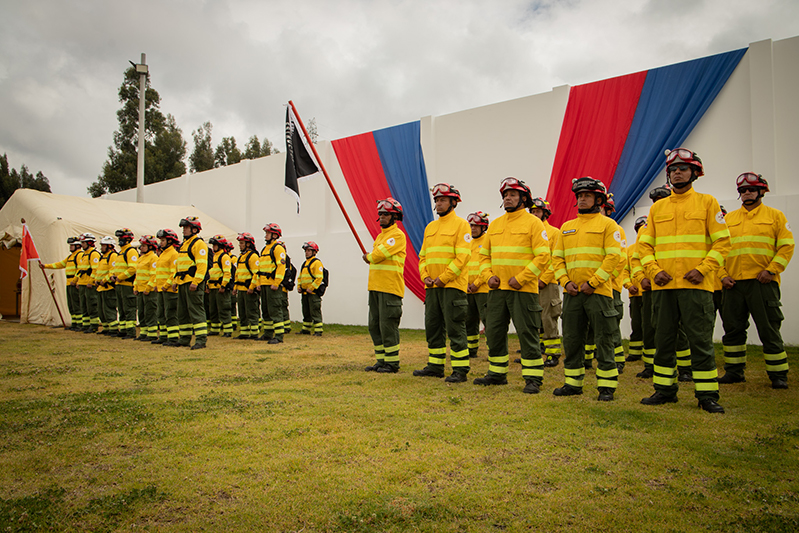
{"x": 28, "y": 253}
{"x": 300, "y": 162}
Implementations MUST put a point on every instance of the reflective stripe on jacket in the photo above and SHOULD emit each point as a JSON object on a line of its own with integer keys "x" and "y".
{"x": 446, "y": 250}
{"x": 387, "y": 262}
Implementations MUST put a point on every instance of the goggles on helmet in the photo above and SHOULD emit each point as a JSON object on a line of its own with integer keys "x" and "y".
{"x": 273, "y": 228}
{"x": 513, "y": 184}
{"x": 390, "y": 205}
{"x": 246, "y": 237}
{"x": 479, "y": 218}
{"x": 445, "y": 189}
{"x": 683, "y": 155}
{"x": 149, "y": 240}
{"x": 87, "y": 237}
{"x": 192, "y": 222}
{"x": 73, "y": 240}
{"x": 124, "y": 233}
{"x": 750, "y": 179}
{"x": 310, "y": 245}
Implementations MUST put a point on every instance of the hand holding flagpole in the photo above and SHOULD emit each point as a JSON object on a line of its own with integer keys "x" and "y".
{"x": 298, "y": 166}
{"x": 29, "y": 253}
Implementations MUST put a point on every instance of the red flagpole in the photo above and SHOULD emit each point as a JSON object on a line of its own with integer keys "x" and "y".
{"x": 327, "y": 177}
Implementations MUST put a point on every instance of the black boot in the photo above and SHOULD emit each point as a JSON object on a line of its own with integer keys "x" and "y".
{"x": 431, "y": 372}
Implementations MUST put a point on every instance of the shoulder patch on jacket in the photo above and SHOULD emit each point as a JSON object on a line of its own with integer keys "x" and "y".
{"x": 720, "y": 217}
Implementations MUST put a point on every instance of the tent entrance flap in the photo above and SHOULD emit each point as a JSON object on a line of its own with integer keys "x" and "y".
{"x": 10, "y": 292}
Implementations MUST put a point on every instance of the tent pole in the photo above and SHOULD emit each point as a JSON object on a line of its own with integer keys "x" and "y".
{"x": 327, "y": 177}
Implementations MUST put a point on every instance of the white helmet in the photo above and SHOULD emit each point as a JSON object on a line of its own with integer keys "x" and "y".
{"x": 108, "y": 240}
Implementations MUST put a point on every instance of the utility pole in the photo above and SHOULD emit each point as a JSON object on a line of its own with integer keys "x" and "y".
{"x": 141, "y": 68}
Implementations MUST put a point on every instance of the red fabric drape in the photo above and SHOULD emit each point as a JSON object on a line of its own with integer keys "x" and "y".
{"x": 595, "y": 127}
{"x": 360, "y": 162}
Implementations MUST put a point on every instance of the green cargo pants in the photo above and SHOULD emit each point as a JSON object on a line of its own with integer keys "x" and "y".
{"x": 191, "y": 314}
{"x": 108, "y": 310}
{"x": 385, "y": 312}
{"x": 91, "y": 315}
{"x": 167, "y": 311}
{"x": 312, "y": 313}
{"x": 578, "y": 312}
{"x": 693, "y": 310}
{"x": 445, "y": 316}
{"x": 73, "y": 302}
{"x": 762, "y": 302}
{"x": 126, "y": 301}
{"x": 148, "y": 314}
{"x": 475, "y": 314}
{"x": 249, "y": 313}
{"x": 525, "y": 311}
{"x": 636, "y": 327}
{"x": 274, "y": 307}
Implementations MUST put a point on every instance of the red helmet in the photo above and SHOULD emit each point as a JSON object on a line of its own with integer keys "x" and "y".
{"x": 310, "y": 245}
{"x": 246, "y": 237}
{"x": 124, "y": 234}
{"x": 170, "y": 236}
{"x": 273, "y": 228}
{"x": 683, "y": 155}
{"x": 445, "y": 189}
{"x": 479, "y": 218}
{"x": 221, "y": 241}
{"x": 610, "y": 203}
{"x": 390, "y": 205}
{"x": 513, "y": 184}
{"x": 589, "y": 184}
{"x": 750, "y": 179}
{"x": 543, "y": 205}
{"x": 192, "y": 222}
{"x": 149, "y": 240}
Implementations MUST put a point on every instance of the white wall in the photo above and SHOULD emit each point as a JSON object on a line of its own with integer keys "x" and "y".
{"x": 752, "y": 125}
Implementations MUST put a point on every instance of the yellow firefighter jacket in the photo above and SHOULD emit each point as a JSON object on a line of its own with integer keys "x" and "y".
{"x": 125, "y": 269}
{"x": 247, "y": 270}
{"x": 553, "y": 234}
{"x": 146, "y": 269}
{"x": 761, "y": 240}
{"x": 220, "y": 270}
{"x": 69, "y": 264}
{"x": 684, "y": 232}
{"x": 620, "y": 275}
{"x": 311, "y": 274}
{"x": 387, "y": 262}
{"x": 165, "y": 269}
{"x": 517, "y": 246}
{"x": 87, "y": 266}
{"x": 589, "y": 250}
{"x": 273, "y": 272}
{"x": 192, "y": 261}
{"x": 474, "y": 264}
{"x": 446, "y": 250}
{"x": 104, "y": 269}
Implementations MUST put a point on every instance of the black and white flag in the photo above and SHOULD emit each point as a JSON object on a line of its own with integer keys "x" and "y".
{"x": 300, "y": 162}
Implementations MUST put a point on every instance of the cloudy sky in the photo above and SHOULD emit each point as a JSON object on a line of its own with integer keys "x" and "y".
{"x": 354, "y": 65}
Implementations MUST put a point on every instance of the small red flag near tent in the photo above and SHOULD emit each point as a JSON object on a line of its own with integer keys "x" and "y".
{"x": 28, "y": 253}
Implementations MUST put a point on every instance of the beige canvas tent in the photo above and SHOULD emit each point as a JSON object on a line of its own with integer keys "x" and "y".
{"x": 51, "y": 219}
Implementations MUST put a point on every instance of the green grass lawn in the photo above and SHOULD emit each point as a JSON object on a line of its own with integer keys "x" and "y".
{"x": 101, "y": 434}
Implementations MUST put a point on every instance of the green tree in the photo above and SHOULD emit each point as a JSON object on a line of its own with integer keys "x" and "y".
{"x": 267, "y": 148}
{"x": 227, "y": 153}
{"x": 11, "y": 180}
{"x": 202, "y": 157}
{"x": 252, "y": 150}
{"x": 164, "y": 147}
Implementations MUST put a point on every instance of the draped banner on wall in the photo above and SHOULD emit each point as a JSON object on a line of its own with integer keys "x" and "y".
{"x": 617, "y": 130}
{"x": 389, "y": 162}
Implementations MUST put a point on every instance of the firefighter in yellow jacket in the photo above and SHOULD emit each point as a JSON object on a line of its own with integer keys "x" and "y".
{"x": 635, "y": 274}
{"x": 477, "y": 290}
{"x": 310, "y": 286}
{"x": 191, "y": 279}
{"x": 218, "y": 289}
{"x": 513, "y": 257}
{"x": 548, "y": 290}
{"x": 166, "y": 269}
{"x": 762, "y": 246}
{"x": 620, "y": 278}
{"x": 443, "y": 266}
{"x": 588, "y": 252}
{"x": 70, "y": 266}
{"x": 123, "y": 276}
{"x": 144, "y": 288}
{"x": 87, "y": 282}
{"x": 386, "y": 287}
{"x": 106, "y": 292}
{"x": 273, "y": 293}
{"x": 683, "y": 245}
{"x": 246, "y": 289}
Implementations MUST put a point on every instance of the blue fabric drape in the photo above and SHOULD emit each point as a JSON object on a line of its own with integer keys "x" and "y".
{"x": 401, "y": 155}
{"x": 673, "y": 100}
